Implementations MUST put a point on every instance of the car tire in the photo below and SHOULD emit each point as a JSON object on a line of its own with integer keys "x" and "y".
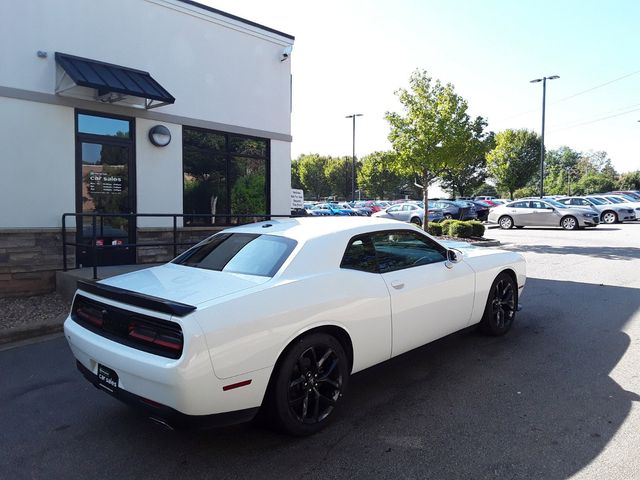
{"x": 306, "y": 390}
{"x": 609, "y": 217}
{"x": 501, "y": 307}
{"x": 416, "y": 221}
{"x": 569, "y": 223}
{"x": 505, "y": 222}
{"x": 448, "y": 216}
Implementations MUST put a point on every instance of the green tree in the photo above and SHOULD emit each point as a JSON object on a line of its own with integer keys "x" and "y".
{"x": 312, "y": 175}
{"x": 377, "y": 177}
{"x": 470, "y": 172}
{"x": 432, "y": 132}
{"x": 594, "y": 182}
{"x": 295, "y": 175}
{"x": 561, "y": 171}
{"x": 629, "y": 181}
{"x": 485, "y": 190}
{"x": 515, "y": 159}
{"x": 337, "y": 171}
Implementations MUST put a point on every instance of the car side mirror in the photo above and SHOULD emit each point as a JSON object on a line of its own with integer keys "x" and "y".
{"x": 453, "y": 256}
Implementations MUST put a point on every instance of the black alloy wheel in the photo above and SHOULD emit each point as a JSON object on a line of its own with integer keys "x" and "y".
{"x": 309, "y": 384}
{"x": 501, "y": 307}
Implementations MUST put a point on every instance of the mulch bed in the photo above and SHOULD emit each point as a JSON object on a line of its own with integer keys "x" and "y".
{"x": 22, "y": 311}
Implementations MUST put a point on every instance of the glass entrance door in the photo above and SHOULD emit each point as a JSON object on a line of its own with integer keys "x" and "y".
{"x": 104, "y": 154}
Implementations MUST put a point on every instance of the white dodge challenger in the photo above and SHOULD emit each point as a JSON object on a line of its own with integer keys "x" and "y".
{"x": 274, "y": 317}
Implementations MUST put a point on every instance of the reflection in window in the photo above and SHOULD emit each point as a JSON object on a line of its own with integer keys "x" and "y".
{"x": 205, "y": 186}
{"x": 105, "y": 185}
{"x": 248, "y": 193}
{"x": 248, "y": 146}
{"x": 218, "y": 183}
{"x": 401, "y": 249}
{"x": 360, "y": 255}
{"x": 109, "y": 127}
{"x": 204, "y": 139}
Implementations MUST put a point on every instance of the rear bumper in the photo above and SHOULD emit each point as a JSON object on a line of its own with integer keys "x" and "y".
{"x": 168, "y": 416}
{"x": 187, "y": 385}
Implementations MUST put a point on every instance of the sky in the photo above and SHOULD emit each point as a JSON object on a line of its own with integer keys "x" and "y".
{"x": 350, "y": 56}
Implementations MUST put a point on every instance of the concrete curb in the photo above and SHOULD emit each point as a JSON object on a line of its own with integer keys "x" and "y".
{"x": 486, "y": 243}
{"x": 25, "y": 332}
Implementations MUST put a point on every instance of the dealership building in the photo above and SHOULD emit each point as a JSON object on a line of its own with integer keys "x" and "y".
{"x": 134, "y": 107}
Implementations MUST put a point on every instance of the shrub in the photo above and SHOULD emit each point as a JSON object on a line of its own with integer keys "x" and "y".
{"x": 434, "y": 229}
{"x": 445, "y": 226}
{"x": 477, "y": 228}
{"x": 461, "y": 230}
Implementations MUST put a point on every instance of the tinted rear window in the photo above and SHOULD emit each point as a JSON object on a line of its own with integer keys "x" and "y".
{"x": 244, "y": 253}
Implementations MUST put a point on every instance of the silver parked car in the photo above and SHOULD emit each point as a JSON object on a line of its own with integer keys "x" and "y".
{"x": 410, "y": 212}
{"x": 544, "y": 213}
{"x": 609, "y": 212}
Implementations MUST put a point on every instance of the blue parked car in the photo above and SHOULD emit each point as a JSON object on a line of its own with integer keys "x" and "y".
{"x": 335, "y": 210}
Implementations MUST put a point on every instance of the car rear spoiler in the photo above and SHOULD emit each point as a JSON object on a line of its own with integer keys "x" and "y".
{"x": 149, "y": 302}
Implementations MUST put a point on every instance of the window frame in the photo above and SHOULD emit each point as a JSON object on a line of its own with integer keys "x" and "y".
{"x": 229, "y": 156}
{"x": 368, "y": 237}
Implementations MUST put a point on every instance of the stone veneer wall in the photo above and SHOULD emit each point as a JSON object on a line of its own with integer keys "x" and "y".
{"x": 162, "y": 235}
{"x": 29, "y": 258}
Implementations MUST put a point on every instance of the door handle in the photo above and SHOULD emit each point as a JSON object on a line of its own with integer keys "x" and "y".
{"x": 397, "y": 284}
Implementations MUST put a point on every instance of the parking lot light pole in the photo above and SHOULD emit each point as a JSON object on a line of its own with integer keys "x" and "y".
{"x": 544, "y": 94}
{"x": 353, "y": 157}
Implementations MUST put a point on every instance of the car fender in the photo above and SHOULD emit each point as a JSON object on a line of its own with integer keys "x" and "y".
{"x": 488, "y": 264}
{"x": 249, "y": 332}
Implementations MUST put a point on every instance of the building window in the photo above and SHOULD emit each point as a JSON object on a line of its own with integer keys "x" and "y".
{"x": 224, "y": 174}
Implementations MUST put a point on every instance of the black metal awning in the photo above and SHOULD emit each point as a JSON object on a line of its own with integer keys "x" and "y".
{"x": 113, "y": 83}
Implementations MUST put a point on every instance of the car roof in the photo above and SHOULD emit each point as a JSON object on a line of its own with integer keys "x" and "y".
{"x": 306, "y": 228}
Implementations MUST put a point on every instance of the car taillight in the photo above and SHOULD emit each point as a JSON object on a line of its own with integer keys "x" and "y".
{"x": 90, "y": 315}
{"x": 155, "y": 335}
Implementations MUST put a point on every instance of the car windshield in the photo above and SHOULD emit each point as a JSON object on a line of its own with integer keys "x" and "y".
{"x": 460, "y": 204}
{"x": 603, "y": 201}
{"x": 554, "y": 203}
{"x": 628, "y": 198}
{"x": 244, "y": 253}
{"x": 615, "y": 199}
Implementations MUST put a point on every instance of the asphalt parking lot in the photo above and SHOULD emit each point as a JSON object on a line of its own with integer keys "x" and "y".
{"x": 558, "y": 397}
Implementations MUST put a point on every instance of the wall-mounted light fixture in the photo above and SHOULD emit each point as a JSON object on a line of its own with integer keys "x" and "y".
{"x": 160, "y": 136}
{"x": 286, "y": 53}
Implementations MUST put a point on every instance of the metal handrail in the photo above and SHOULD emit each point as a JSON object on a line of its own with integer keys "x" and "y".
{"x": 95, "y": 249}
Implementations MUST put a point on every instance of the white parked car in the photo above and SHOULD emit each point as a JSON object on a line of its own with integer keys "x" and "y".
{"x": 543, "y": 212}
{"x": 276, "y": 316}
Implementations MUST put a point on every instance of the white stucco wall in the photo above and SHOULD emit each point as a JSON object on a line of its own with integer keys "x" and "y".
{"x": 37, "y": 164}
{"x": 218, "y": 69}
{"x": 158, "y": 174}
{"x": 280, "y": 177}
